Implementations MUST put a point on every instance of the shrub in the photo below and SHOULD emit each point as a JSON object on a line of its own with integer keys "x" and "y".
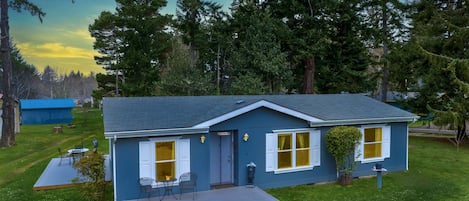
{"x": 92, "y": 167}
{"x": 341, "y": 142}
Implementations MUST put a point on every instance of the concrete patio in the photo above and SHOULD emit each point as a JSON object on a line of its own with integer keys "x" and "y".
{"x": 59, "y": 173}
{"x": 226, "y": 194}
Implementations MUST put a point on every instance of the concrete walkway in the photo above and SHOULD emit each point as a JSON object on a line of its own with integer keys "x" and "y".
{"x": 226, "y": 194}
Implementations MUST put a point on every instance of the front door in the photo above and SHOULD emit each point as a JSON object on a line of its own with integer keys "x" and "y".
{"x": 221, "y": 158}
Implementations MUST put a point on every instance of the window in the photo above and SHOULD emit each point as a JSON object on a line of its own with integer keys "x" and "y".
{"x": 165, "y": 161}
{"x": 292, "y": 150}
{"x": 373, "y": 141}
{"x": 164, "y": 158}
{"x": 375, "y": 144}
{"x": 284, "y": 151}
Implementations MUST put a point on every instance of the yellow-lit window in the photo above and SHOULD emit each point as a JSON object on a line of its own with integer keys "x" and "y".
{"x": 165, "y": 160}
{"x": 302, "y": 149}
{"x": 284, "y": 151}
{"x": 373, "y": 142}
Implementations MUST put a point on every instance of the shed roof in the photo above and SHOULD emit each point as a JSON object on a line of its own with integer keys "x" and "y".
{"x": 159, "y": 113}
{"x": 46, "y": 103}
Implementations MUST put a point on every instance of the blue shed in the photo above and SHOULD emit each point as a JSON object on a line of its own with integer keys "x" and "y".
{"x": 216, "y": 137}
{"x": 46, "y": 111}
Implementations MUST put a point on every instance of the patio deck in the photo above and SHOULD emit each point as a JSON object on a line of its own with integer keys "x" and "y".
{"x": 60, "y": 175}
{"x": 225, "y": 194}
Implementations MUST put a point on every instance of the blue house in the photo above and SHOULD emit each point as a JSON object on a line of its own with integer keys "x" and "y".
{"x": 217, "y": 136}
{"x": 46, "y": 111}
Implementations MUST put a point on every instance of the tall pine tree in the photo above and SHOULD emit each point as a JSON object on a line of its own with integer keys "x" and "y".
{"x": 443, "y": 37}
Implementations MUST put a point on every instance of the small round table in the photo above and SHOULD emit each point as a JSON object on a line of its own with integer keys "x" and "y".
{"x": 168, "y": 187}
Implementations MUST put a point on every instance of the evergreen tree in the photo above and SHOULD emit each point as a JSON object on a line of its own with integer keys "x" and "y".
{"x": 8, "y": 114}
{"x": 345, "y": 58}
{"x": 257, "y": 54}
{"x": 386, "y": 19}
{"x": 440, "y": 29}
{"x": 135, "y": 43}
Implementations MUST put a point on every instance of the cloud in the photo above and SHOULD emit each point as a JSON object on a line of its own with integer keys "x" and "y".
{"x": 54, "y": 50}
{"x": 82, "y": 34}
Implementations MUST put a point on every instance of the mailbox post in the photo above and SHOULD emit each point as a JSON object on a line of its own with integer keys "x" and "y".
{"x": 378, "y": 168}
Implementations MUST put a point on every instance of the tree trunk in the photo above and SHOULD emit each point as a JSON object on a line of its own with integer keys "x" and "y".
{"x": 308, "y": 78}
{"x": 385, "y": 80}
{"x": 460, "y": 135}
{"x": 8, "y": 116}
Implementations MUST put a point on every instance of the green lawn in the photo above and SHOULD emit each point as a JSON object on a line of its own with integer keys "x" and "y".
{"x": 437, "y": 171}
{"x": 21, "y": 165}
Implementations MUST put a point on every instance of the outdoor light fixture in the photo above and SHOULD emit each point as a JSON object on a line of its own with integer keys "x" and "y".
{"x": 202, "y": 138}
{"x": 245, "y": 137}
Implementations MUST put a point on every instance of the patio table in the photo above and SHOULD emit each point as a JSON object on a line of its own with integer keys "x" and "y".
{"x": 168, "y": 187}
{"x": 77, "y": 153}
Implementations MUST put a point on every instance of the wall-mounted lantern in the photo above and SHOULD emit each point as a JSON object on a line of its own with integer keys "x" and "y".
{"x": 202, "y": 139}
{"x": 245, "y": 137}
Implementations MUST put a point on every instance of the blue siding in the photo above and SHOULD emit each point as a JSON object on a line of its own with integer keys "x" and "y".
{"x": 46, "y": 111}
{"x": 256, "y": 123}
{"x": 398, "y": 159}
{"x": 47, "y": 116}
{"x": 127, "y": 166}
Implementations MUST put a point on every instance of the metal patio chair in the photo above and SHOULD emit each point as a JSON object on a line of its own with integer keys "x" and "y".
{"x": 188, "y": 181}
{"x": 145, "y": 187}
{"x": 62, "y": 156}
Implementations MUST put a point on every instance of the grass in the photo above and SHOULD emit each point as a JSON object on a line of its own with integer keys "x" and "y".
{"x": 437, "y": 171}
{"x": 21, "y": 165}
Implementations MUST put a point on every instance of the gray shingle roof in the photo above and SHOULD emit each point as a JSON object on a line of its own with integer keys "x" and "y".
{"x": 154, "y": 113}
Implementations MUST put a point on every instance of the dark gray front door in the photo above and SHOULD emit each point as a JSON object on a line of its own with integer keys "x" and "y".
{"x": 221, "y": 159}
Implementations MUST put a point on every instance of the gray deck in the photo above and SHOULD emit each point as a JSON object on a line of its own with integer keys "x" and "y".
{"x": 60, "y": 174}
{"x": 226, "y": 194}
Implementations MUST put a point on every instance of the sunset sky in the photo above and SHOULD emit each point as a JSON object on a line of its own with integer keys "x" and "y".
{"x": 62, "y": 41}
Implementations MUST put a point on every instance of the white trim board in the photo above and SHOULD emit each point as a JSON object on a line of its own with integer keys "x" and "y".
{"x": 254, "y": 106}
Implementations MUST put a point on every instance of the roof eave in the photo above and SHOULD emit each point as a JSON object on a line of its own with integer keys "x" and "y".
{"x": 363, "y": 121}
{"x": 153, "y": 133}
{"x": 253, "y": 106}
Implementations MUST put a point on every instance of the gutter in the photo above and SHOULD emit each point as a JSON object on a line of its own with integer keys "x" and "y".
{"x": 153, "y": 133}
{"x": 363, "y": 121}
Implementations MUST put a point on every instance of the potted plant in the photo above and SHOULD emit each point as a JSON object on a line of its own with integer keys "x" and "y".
{"x": 341, "y": 142}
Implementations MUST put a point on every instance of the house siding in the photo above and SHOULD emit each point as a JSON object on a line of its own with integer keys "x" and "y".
{"x": 261, "y": 121}
{"x": 398, "y": 158}
{"x": 256, "y": 124}
{"x": 127, "y": 166}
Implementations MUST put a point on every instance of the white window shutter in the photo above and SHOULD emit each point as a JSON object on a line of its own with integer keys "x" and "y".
{"x": 183, "y": 148}
{"x": 359, "y": 148}
{"x": 315, "y": 142}
{"x": 270, "y": 152}
{"x": 146, "y": 158}
{"x": 386, "y": 142}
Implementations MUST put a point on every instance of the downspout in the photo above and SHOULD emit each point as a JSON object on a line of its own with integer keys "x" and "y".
{"x": 112, "y": 146}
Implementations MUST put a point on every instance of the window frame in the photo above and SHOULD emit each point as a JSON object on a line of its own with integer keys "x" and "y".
{"x": 147, "y": 158}
{"x": 272, "y": 150}
{"x": 385, "y": 144}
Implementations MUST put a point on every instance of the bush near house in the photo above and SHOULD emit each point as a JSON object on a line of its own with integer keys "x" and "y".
{"x": 341, "y": 142}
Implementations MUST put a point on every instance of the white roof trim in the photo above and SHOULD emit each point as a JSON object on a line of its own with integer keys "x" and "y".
{"x": 363, "y": 121}
{"x": 254, "y": 106}
{"x": 155, "y": 133}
